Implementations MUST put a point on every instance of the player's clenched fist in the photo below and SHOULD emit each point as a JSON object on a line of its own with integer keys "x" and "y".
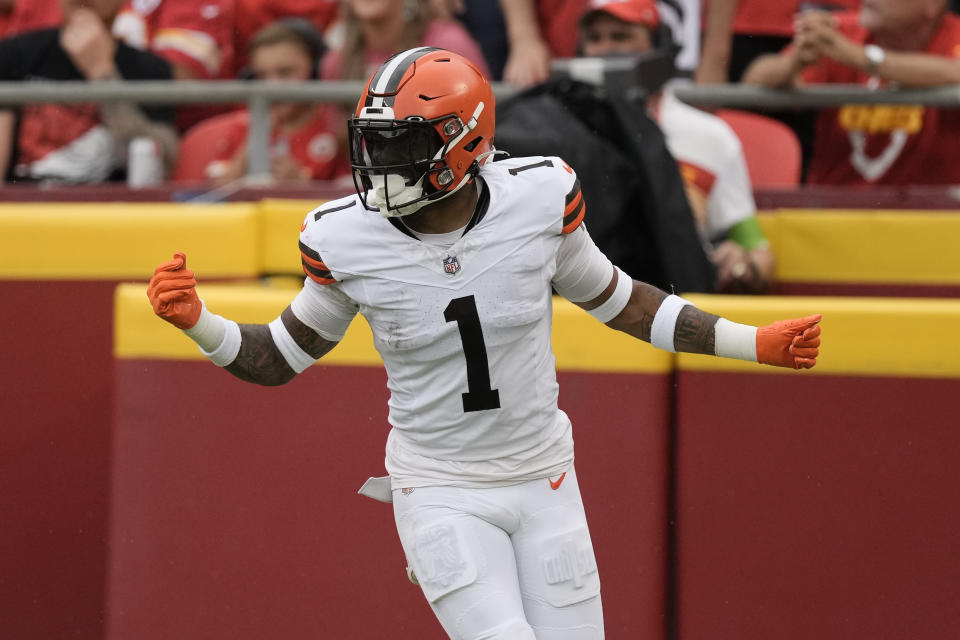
{"x": 173, "y": 293}
{"x": 790, "y": 343}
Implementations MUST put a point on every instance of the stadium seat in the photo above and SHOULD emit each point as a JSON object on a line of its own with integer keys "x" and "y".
{"x": 206, "y": 142}
{"x": 771, "y": 148}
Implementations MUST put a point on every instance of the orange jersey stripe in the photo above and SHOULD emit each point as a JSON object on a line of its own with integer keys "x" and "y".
{"x": 318, "y": 276}
{"x": 313, "y": 263}
{"x": 571, "y": 207}
{"x": 574, "y": 209}
{"x": 574, "y": 219}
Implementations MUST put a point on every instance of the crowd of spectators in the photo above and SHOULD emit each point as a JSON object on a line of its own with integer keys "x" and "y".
{"x": 780, "y": 43}
{"x": 771, "y": 43}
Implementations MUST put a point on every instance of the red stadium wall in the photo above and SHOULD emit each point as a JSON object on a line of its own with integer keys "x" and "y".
{"x": 827, "y": 510}
{"x": 152, "y": 496}
{"x": 235, "y": 512}
{"x": 806, "y": 505}
{"x": 55, "y": 429}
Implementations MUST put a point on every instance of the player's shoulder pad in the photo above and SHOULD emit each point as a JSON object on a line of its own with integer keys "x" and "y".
{"x": 550, "y": 175}
{"x": 311, "y": 233}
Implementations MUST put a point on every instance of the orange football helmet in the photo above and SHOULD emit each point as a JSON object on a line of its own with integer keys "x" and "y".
{"x": 422, "y": 128}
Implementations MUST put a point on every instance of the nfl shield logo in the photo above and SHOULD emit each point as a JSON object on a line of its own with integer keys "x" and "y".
{"x": 450, "y": 265}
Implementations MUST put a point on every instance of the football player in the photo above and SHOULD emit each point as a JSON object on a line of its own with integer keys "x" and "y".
{"x": 451, "y": 258}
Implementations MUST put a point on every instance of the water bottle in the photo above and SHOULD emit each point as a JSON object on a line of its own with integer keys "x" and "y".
{"x": 144, "y": 163}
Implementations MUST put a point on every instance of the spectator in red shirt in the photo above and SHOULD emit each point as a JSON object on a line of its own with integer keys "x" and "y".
{"x": 31, "y": 15}
{"x": 735, "y": 32}
{"x": 253, "y": 15}
{"x": 307, "y": 140}
{"x": 373, "y": 30}
{"x": 195, "y": 37}
{"x": 6, "y": 13}
{"x": 81, "y": 142}
{"x": 886, "y": 43}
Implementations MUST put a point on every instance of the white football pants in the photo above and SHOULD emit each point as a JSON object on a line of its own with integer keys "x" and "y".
{"x": 505, "y": 563}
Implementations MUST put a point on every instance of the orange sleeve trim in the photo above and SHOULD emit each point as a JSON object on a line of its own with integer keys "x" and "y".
{"x": 571, "y": 222}
{"x": 574, "y": 209}
{"x": 318, "y": 264}
{"x": 317, "y": 277}
{"x": 573, "y": 204}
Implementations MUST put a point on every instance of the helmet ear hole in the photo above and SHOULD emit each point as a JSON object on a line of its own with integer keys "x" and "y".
{"x": 452, "y": 127}
{"x": 470, "y": 146}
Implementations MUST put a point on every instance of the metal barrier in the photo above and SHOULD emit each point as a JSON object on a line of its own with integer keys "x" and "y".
{"x": 259, "y": 95}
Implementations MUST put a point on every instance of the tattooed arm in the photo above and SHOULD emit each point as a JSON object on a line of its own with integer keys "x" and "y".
{"x": 260, "y": 361}
{"x": 788, "y": 343}
{"x": 269, "y": 355}
{"x": 694, "y": 331}
{"x": 695, "y": 328}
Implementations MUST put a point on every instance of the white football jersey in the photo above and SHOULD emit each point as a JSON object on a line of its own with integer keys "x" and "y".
{"x": 463, "y": 330}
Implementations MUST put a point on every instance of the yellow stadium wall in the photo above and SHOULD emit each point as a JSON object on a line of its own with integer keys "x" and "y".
{"x": 151, "y": 495}
{"x": 864, "y": 252}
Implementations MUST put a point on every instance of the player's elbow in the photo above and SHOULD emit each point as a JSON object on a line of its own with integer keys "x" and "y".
{"x": 273, "y": 376}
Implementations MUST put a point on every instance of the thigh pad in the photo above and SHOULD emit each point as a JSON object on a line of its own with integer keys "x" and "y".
{"x": 441, "y": 558}
{"x": 568, "y": 568}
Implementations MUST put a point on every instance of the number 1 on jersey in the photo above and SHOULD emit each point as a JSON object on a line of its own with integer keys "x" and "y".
{"x": 479, "y": 395}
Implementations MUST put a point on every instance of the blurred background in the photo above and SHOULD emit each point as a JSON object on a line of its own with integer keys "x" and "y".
{"x": 761, "y": 157}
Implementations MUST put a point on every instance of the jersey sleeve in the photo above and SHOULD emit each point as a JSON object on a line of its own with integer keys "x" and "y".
{"x": 313, "y": 265}
{"x": 322, "y": 304}
{"x": 325, "y": 309}
{"x": 574, "y": 206}
{"x": 583, "y": 271}
{"x": 313, "y": 235}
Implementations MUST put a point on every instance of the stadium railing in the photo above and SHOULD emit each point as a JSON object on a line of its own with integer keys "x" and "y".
{"x": 259, "y": 95}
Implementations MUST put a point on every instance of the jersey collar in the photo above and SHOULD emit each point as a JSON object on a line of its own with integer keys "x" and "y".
{"x": 483, "y": 202}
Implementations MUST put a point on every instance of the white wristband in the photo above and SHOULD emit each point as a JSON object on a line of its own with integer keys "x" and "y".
{"x": 229, "y": 348}
{"x": 665, "y": 322}
{"x": 217, "y": 337}
{"x": 732, "y": 340}
{"x": 208, "y": 332}
{"x": 617, "y": 300}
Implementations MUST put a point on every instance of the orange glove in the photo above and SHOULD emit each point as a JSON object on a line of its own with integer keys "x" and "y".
{"x": 790, "y": 343}
{"x": 173, "y": 293}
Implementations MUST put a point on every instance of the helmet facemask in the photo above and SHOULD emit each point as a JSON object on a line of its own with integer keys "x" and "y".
{"x": 399, "y": 166}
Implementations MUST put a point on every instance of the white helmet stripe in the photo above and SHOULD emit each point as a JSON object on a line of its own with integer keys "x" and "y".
{"x": 389, "y": 75}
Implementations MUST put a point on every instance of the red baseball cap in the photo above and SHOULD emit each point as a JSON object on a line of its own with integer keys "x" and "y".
{"x": 642, "y": 12}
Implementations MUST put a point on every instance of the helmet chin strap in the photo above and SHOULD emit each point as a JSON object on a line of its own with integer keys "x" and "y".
{"x": 393, "y": 189}
{"x": 399, "y": 194}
